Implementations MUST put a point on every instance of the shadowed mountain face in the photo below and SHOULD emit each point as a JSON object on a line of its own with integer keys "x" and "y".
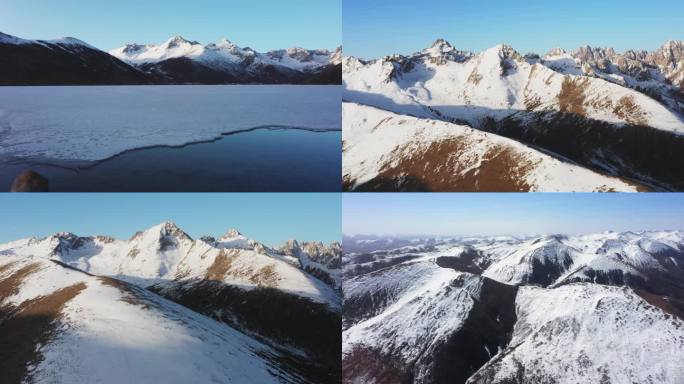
{"x": 613, "y": 115}
{"x": 61, "y": 62}
{"x": 273, "y": 298}
{"x": 69, "y": 61}
{"x": 513, "y": 310}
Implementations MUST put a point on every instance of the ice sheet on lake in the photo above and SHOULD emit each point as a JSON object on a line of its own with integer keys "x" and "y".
{"x": 93, "y": 123}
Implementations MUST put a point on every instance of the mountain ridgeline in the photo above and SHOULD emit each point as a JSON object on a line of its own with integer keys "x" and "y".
{"x": 598, "y": 308}
{"x": 618, "y": 115}
{"x": 69, "y": 61}
{"x": 279, "y": 307}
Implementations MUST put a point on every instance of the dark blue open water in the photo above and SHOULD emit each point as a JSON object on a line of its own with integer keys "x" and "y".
{"x": 263, "y": 160}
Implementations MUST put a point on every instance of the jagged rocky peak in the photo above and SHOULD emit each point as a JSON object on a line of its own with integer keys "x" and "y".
{"x": 670, "y": 54}
{"x": 300, "y": 54}
{"x": 179, "y": 40}
{"x": 64, "y": 236}
{"x": 170, "y": 228}
{"x": 336, "y": 57}
{"x": 232, "y": 233}
{"x": 588, "y": 54}
{"x": 507, "y": 52}
{"x": 442, "y": 51}
{"x": 290, "y": 248}
{"x": 556, "y": 52}
{"x": 132, "y": 47}
{"x": 165, "y": 229}
{"x": 442, "y": 45}
{"x": 105, "y": 239}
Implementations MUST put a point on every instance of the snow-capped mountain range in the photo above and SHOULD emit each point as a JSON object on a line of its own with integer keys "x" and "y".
{"x": 189, "y": 61}
{"x": 605, "y": 307}
{"x": 225, "y": 53}
{"x": 259, "y": 302}
{"x": 619, "y": 107}
{"x": 176, "y": 61}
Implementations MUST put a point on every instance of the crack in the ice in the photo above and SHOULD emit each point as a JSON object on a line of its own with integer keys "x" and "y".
{"x": 94, "y": 163}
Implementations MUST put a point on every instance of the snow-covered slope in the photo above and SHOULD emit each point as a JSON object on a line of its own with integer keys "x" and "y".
{"x": 591, "y": 334}
{"x": 283, "y": 301}
{"x": 165, "y": 253}
{"x": 383, "y": 150}
{"x": 497, "y": 83}
{"x": 558, "y": 103}
{"x": 61, "y": 325}
{"x": 605, "y": 307}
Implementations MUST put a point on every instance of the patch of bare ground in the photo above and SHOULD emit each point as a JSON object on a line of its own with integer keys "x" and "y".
{"x": 439, "y": 166}
{"x": 9, "y": 285}
{"x": 670, "y": 305}
{"x": 549, "y": 80}
{"x": 133, "y": 253}
{"x": 571, "y": 97}
{"x": 7, "y": 266}
{"x": 474, "y": 77}
{"x": 532, "y": 102}
{"x": 347, "y": 183}
{"x": 364, "y": 363}
{"x": 628, "y": 110}
{"x": 221, "y": 265}
{"x": 266, "y": 276}
{"x": 128, "y": 292}
{"x": 23, "y": 329}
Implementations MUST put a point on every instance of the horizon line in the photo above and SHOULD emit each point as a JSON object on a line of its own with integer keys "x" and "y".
{"x": 661, "y": 45}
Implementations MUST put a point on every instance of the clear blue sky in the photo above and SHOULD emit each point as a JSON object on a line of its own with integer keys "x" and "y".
{"x": 260, "y": 24}
{"x": 380, "y": 27}
{"x": 269, "y": 218}
{"x": 509, "y": 213}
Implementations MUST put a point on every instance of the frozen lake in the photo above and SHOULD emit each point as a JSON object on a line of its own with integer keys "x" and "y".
{"x": 261, "y": 160}
{"x": 93, "y": 123}
{"x": 119, "y": 136}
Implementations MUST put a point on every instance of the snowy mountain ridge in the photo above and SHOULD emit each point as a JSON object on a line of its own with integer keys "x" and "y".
{"x": 65, "y": 325}
{"x": 69, "y": 61}
{"x": 224, "y": 53}
{"x": 164, "y": 252}
{"x": 380, "y": 146}
{"x": 537, "y": 309}
{"x": 227, "y": 296}
{"x": 533, "y": 100}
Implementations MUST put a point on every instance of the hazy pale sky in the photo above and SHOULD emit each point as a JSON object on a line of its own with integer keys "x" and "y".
{"x": 509, "y": 213}
{"x": 381, "y": 27}
{"x": 260, "y": 24}
{"x": 271, "y": 218}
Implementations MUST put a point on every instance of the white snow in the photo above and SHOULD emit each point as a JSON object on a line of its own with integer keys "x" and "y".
{"x": 494, "y": 83}
{"x": 372, "y": 137}
{"x": 223, "y": 53}
{"x": 163, "y": 253}
{"x": 579, "y": 332}
{"x": 105, "y": 337}
{"x": 425, "y": 308}
{"x": 591, "y": 333}
{"x": 93, "y": 123}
